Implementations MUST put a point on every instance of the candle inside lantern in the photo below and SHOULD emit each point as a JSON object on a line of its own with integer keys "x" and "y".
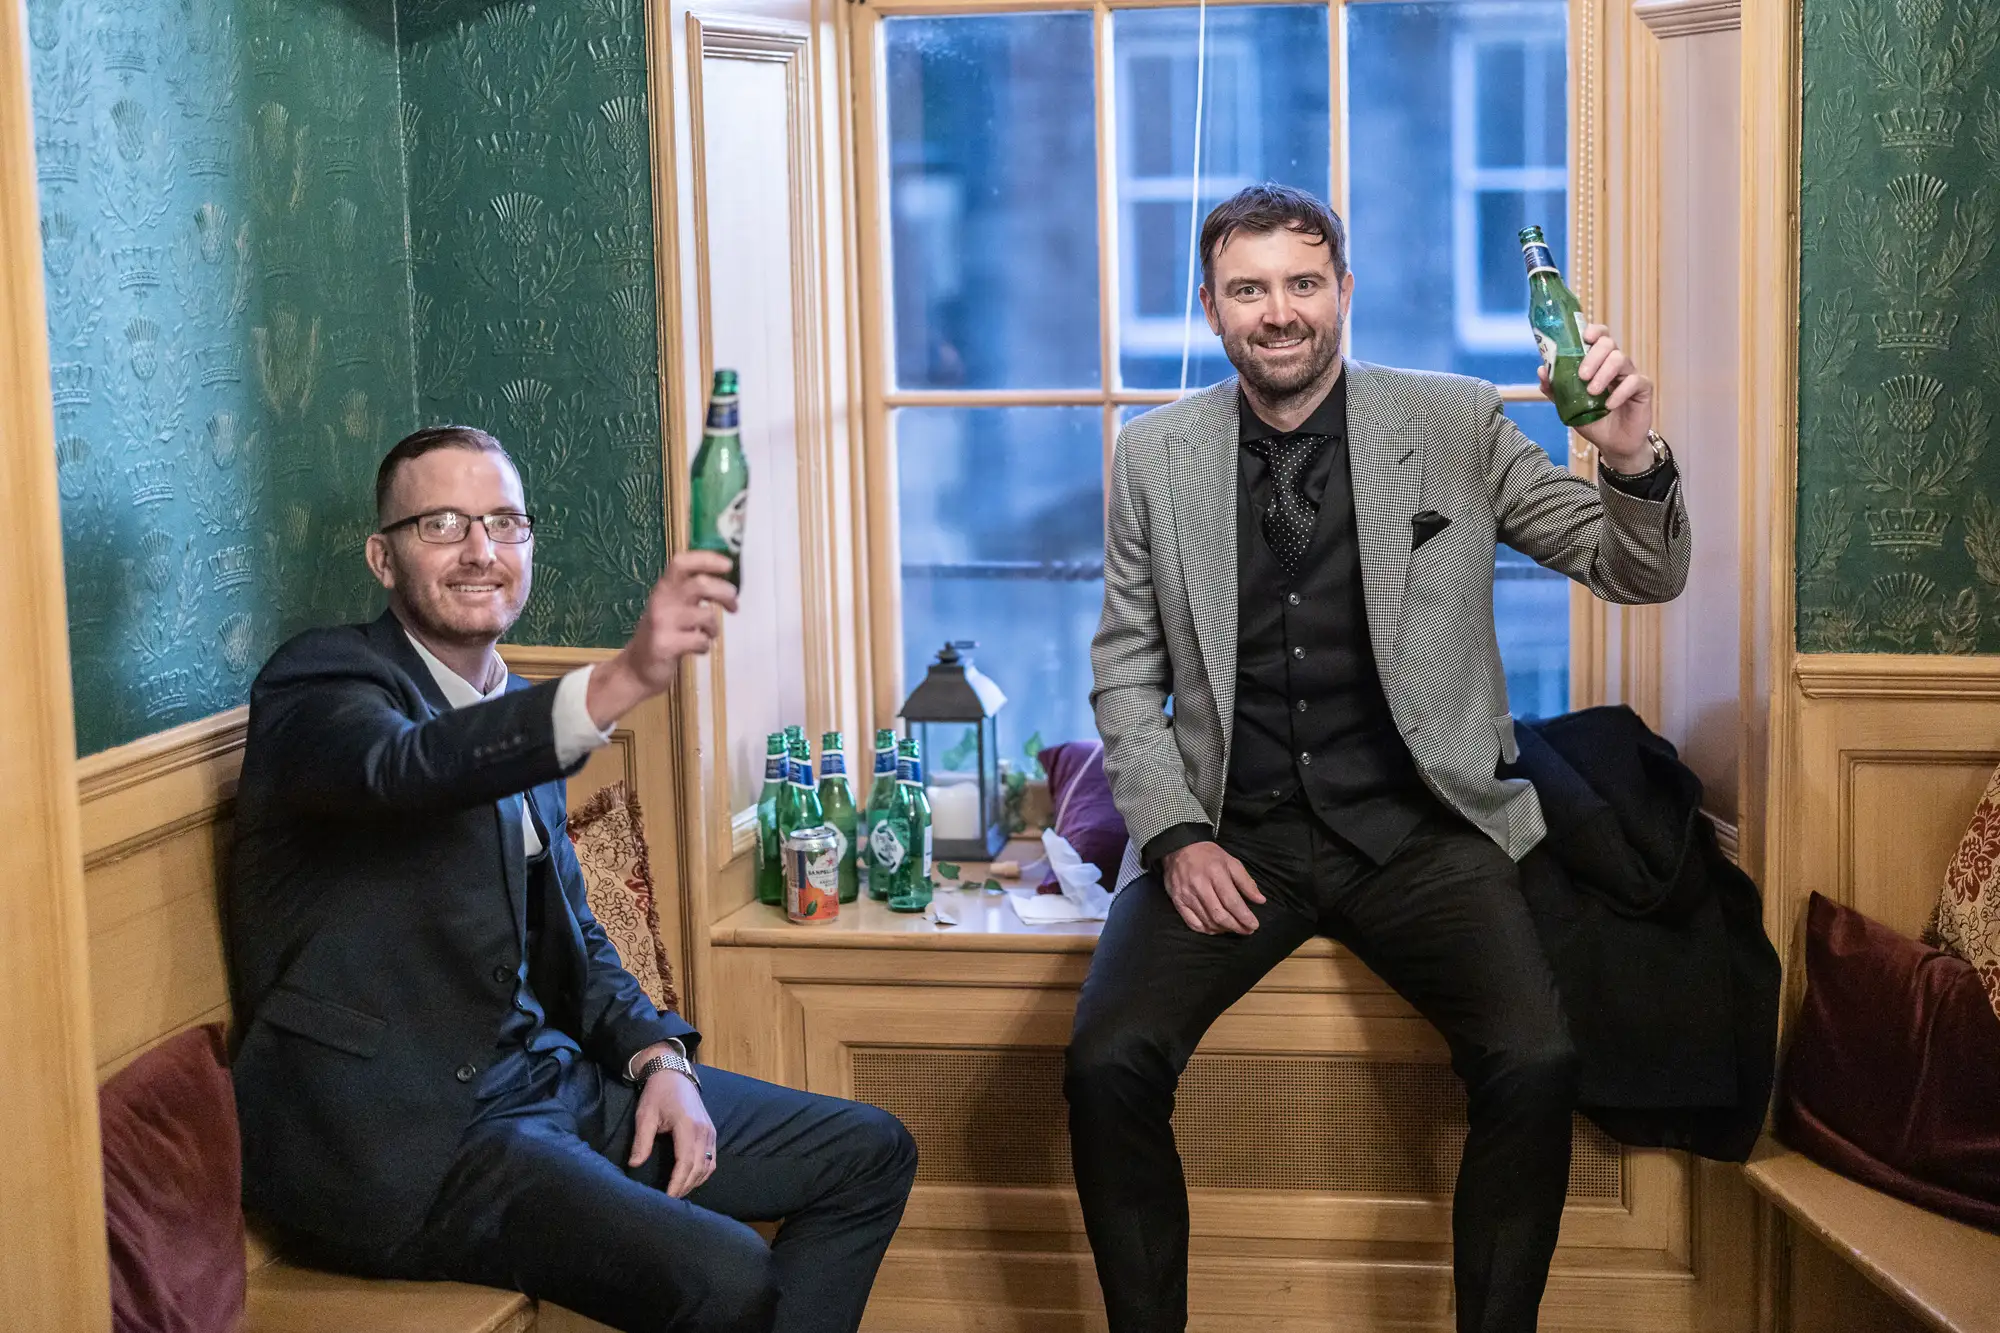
{"x": 955, "y": 810}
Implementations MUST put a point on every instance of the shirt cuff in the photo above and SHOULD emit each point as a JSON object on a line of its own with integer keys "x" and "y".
{"x": 1171, "y": 840}
{"x": 576, "y": 734}
{"x": 1655, "y": 486}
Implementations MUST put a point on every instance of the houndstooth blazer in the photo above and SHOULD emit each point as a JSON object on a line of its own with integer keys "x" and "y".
{"x": 1416, "y": 442}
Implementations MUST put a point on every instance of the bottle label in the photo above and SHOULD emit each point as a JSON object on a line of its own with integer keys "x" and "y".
{"x": 885, "y": 761}
{"x": 774, "y": 768}
{"x": 841, "y": 844}
{"x": 1547, "y": 346}
{"x": 888, "y": 847}
{"x": 832, "y": 763}
{"x": 1538, "y": 259}
{"x": 729, "y": 524}
{"x": 722, "y": 415}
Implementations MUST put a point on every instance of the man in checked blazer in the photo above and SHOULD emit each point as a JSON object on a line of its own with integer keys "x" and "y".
{"x": 1303, "y": 711}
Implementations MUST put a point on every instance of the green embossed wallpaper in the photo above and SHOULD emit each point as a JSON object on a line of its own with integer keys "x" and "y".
{"x": 222, "y": 229}
{"x": 532, "y": 241}
{"x": 281, "y": 233}
{"x": 1899, "y": 348}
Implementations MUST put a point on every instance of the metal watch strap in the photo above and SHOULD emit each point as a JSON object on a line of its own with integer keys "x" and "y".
{"x": 1662, "y": 455}
{"x": 667, "y": 1059}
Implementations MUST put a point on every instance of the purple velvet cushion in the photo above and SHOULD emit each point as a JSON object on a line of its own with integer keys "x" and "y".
{"x": 1893, "y": 1077}
{"x": 173, "y": 1184}
{"x": 1082, "y": 810}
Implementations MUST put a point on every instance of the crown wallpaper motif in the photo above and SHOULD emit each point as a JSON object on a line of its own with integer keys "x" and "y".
{"x": 279, "y": 234}
{"x": 1899, "y": 324}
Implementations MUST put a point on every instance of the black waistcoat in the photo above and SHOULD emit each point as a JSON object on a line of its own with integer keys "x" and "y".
{"x": 1310, "y": 712}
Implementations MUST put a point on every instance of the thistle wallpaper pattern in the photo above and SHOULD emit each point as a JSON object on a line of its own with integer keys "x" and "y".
{"x": 265, "y": 262}
{"x": 1899, "y": 349}
{"x": 531, "y": 229}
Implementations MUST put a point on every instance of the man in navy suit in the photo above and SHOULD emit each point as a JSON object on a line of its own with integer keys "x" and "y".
{"x": 444, "y": 1071}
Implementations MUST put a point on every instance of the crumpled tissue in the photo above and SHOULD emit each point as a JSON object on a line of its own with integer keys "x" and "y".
{"x": 1083, "y": 896}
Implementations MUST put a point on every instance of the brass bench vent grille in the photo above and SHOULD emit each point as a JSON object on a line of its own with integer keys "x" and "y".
{"x": 1266, "y": 1122}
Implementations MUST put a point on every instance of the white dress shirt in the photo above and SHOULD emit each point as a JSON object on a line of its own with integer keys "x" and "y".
{"x": 576, "y": 734}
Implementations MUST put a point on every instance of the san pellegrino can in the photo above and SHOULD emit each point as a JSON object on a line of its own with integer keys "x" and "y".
{"x": 837, "y": 805}
{"x": 879, "y": 797}
{"x": 1558, "y": 322}
{"x": 812, "y": 876}
{"x": 720, "y": 493}
{"x": 770, "y": 841}
{"x": 899, "y": 839}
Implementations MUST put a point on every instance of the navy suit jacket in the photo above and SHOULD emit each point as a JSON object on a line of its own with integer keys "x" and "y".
{"x": 372, "y": 921}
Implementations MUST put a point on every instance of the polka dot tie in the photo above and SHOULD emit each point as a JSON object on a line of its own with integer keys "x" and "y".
{"x": 1289, "y": 515}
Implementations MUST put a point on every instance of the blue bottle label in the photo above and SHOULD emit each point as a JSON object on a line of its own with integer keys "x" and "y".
{"x": 774, "y": 768}
{"x": 722, "y": 415}
{"x": 1539, "y": 259}
{"x": 885, "y": 762}
{"x": 833, "y": 764}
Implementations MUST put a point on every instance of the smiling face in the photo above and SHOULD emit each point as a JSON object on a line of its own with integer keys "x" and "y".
{"x": 467, "y": 594}
{"x": 1278, "y": 305}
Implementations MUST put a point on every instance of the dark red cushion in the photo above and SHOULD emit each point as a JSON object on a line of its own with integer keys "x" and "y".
{"x": 1081, "y": 807}
{"x": 1893, "y": 1077}
{"x": 173, "y": 1188}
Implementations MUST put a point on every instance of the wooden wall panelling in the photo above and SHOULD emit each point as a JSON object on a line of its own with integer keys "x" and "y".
{"x": 52, "y": 1258}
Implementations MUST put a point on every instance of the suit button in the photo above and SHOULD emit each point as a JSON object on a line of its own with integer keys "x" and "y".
{"x": 1305, "y": 757}
{"x": 1299, "y": 653}
{"x": 1292, "y": 598}
{"x": 1302, "y": 705}
{"x": 464, "y": 1073}
{"x": 502, "y": 974}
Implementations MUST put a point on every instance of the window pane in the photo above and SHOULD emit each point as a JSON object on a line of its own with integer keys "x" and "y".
{"x": 1002, "y": 524}
{"x": 1447, "y": 169}
{"x": 1531, "y": 604}
{"x": 993, "y": 201}
{"x": 1264, "y": 117}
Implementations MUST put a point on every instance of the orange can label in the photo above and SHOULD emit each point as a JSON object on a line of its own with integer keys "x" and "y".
{"x": 812, "y": 876}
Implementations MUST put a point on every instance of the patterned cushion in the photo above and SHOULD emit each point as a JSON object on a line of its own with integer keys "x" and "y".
{"x": 611, "y": 846}
{"x": 1967, "y": 922}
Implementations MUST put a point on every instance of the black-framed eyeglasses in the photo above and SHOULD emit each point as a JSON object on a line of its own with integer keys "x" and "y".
{"x": 447, "y": 527}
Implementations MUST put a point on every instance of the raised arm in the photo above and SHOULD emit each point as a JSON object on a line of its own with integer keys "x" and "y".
{"x": 1622, "y": 546}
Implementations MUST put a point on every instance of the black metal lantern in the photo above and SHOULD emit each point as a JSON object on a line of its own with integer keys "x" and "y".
{"x": 950, "y": 715}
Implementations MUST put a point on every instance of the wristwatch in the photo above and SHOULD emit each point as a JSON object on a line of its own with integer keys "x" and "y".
{"x": 672, "y": 1058}
{"x": 1662, "y": 455}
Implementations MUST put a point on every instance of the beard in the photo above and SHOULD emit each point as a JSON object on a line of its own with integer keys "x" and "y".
{"x": 1277, "y": 383}
{"x": 432, "y": 609}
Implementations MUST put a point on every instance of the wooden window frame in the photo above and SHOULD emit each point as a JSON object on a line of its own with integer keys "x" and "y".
{"x": 1603, "y": 663}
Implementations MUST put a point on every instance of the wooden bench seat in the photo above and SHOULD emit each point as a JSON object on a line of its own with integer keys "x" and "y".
{"x": 1946, "y": 1273}
{"x": 284, "y": 1298}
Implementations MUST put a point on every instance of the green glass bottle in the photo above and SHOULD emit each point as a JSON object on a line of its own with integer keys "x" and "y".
{"x": 920, "y": 801}
{"x": 837, "y": 804}
{"x": 879, "y": 797}
{"x": 806, "y": 811}
{"x": 898, "y": 840}
{"x": 1558, "y": 324}
{"x": 770, "y": 842}
{"x": 720, "y": 487}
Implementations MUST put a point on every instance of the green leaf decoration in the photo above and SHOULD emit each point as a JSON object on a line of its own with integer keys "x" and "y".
{"x": 1033, "y": 747}
{"x": 958, "y": 756}
{"x": 947, "y": 869}
{"x": 811, "y": 908}
{"x": 992, "y": 886}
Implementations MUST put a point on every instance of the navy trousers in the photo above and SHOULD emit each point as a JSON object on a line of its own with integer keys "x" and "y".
{"x": 1443, "y": 922}
{"x": 540, "y": 1201}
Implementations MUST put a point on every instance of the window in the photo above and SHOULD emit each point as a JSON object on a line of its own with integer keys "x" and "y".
{"x": 1038, "y": 170}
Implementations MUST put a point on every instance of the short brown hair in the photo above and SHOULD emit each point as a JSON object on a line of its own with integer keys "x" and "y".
{"x": 429, "y": 440}
{"x": 1262, "y": 209}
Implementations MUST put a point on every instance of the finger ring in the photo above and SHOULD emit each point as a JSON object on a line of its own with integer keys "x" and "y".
{"x": 709, "y": 1156}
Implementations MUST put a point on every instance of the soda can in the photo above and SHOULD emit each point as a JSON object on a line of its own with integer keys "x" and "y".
{"x": 812, "y": 875}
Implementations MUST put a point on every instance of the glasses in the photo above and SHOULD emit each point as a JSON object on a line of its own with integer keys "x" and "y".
{"x": 447, "y": 527}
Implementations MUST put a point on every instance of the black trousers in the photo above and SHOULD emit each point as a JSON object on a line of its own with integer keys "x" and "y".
{"x": 540, "y": 1201}
{"x": 1445, "y": 924}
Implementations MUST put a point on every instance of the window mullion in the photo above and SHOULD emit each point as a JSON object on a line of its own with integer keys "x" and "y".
{"x": 1108, "y": 307}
